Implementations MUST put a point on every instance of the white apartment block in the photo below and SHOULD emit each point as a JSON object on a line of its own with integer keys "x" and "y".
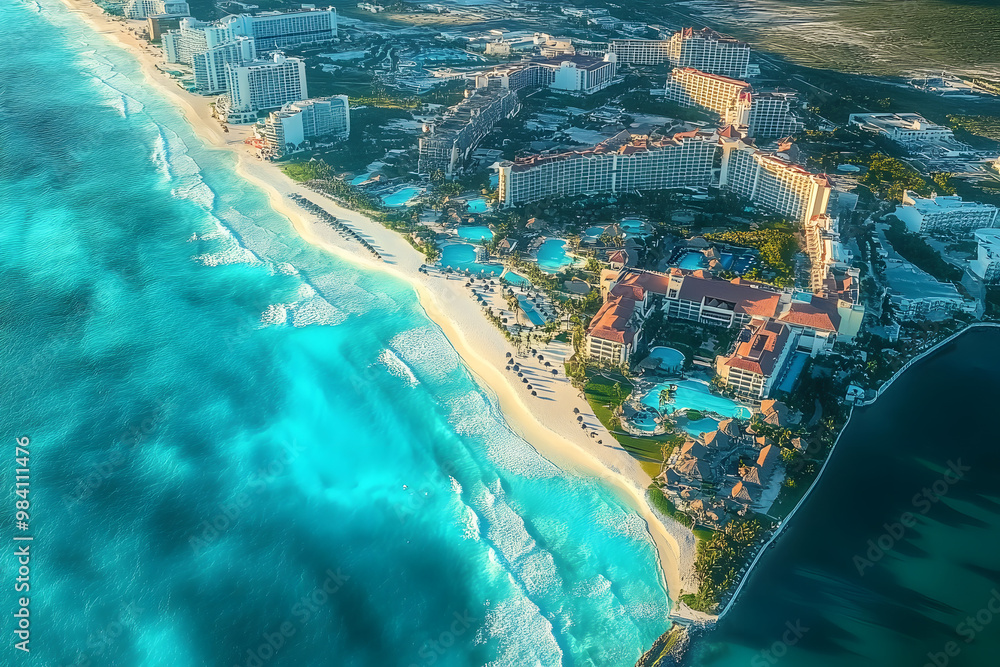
{"x": 730, "y": 98}
{"x": 986, "y": 265}
{"x": 286, "y": 130}
{"x": 239, "y": 39}
{"x": 771, "y": 115}
{"x": 765, "y": 114}
{"x": 622, "y": 163}
{"x": 140, "y": 9}
{"x": 908, "y": 129}
{"x": 770, "y": 182}
{"x": 935, "y": 214}
{"x": 709, "y": 51}
{"x": 574, "y": 74}
{"x": 704, "y": 50}
{"x": 262, "y": 84}
{"x": 641, "y": 51}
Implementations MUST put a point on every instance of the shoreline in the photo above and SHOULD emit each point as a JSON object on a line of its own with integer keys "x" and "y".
{"x": 547, "y": 423}
{"x": 878, "y": 394}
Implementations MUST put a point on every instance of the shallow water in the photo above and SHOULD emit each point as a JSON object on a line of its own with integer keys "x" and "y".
{"x": 234, "y": 434}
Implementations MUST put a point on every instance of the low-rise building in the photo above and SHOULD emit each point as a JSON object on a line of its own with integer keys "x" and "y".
{"x": 986, "y": 265}
{"x": 925, "y": 215}
{"x": 916, "y": 295}
{"x": 907, "y": 129}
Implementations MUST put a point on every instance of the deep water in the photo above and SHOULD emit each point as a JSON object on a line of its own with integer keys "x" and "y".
{"x": 894, "y": 560}
{"x": 244, "y": 451}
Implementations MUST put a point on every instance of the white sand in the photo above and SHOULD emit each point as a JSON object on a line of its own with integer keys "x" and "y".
{"x": 547, "y": 422}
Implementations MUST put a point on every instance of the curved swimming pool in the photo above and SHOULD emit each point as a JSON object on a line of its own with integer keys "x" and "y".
{"x": 475, "y": 233}
{"x": 696, "y": 395}
{"x": 670, "y": 358}
{"x": 552, "y": 256}
{"x": 400, "y": 197}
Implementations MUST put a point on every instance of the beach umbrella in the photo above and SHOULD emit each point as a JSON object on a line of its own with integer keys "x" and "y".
{"x": 555, "y": 372}
{"x": 576, "y": 411}
{"x": 580, "y": 418}
{"x": 528, "y": 387}
{"x": 534, "y": 393}
{"x": 600, "y": 442}
{"x": 524, "y": 380}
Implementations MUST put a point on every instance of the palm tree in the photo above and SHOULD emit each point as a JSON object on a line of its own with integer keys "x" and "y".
{"x": 664, "y": 397}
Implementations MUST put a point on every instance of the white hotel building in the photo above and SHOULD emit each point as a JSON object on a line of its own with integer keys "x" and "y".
{"x": 286, "y": 130}
{"x": 262, "y": 84}
{"x": 140, "y": 9}
{"x": 627, "y": 163}
{"x": 239, "y": 39}
{"x": 622, "y": 163}
{"x": 926, "y": 215}
{"x": 705, "y": 50}
{"x": 756, "y": 114}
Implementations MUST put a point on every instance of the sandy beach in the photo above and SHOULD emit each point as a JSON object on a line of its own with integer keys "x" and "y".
{"x": 547, "y": 421}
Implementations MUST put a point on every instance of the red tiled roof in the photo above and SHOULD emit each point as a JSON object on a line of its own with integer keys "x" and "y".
{"x": 819, "y": 314}
{"x": 758, "y": 347}
{"x": 611, "y": 321}
{"x": 744, "y": 296}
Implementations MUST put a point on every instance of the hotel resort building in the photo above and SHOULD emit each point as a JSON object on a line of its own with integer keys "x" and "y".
{"x": 811, "y": 323}
{"x": 208, "y": 47}
{"x": 261, "y": 85}
{"x": 771, "y": 182}
{"x": 286, "y": 131}
{"x": 627, "y": 163}
{"x": 937, "y": 214}
{"x": 760, "y": 355}
{"x": 705, "y": 50}
{"x": 448, "y": 143}
{"x": 765, "y": 114}
{"x": 141, "y": 9}
{"x": 622, "y": 163}
{"x": 572, "y": 74}
{"x": 908, "y": 129}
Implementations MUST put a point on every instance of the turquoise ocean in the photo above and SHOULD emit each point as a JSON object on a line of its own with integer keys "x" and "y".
{"x": 245, "y": 451}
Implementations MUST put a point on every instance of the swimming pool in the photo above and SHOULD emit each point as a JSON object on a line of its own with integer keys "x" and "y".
{"x": 634, "y": 228}
{"x": 695, "y": 394}
{"x": 475, "y": 233}
{"x": 516, "y": 279}
{"x": 400, "y": 197}
{"x": 692, "y": 261}
{"x": 594, "y": 232}
{"x": 478, "y": 205}
{"x": 462, "y": 257}
{"x": 670, "y": 359}
{"x": 529, "y": 309}
{"x": 706, "y": 425}
{"x": 361, "y": 178}
{"x": 552, "y": 256}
